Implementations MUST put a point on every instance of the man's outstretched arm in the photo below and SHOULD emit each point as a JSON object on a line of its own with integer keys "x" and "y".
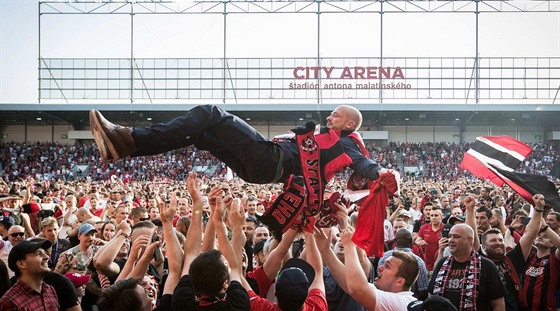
{"x": 356, "y": 281}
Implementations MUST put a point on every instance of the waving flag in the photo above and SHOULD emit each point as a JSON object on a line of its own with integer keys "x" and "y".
{"x": 527, "y": 185}
{"x": 502, "y": 152}
{"x": 495, "y": 157}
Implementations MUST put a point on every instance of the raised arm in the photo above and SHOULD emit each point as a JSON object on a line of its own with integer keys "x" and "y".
{"x": 356, "y": 281}
{"x": 103, "y": 260}
{"x": 173, "y": 246}
{"x": 323, "y": 239}
{"x": 533, "y": 227}
{"x": 141, "y": 242}
{"x": 142, "y": 264}
{"x": 314, "y": 259}
{"x": 209, "y": 237}
{"x": 237, "y": 220}
{"x": 470, "y": 219}
{"x": 221, "y": 233}
{"x": 275, "y": 258}
{"x": 191, "y": 246}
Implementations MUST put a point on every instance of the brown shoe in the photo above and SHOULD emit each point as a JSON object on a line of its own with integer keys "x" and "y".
{"x": 114, "y": 141}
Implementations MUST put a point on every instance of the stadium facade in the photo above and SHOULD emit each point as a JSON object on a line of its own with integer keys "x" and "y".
{"x": 403, "y": 98}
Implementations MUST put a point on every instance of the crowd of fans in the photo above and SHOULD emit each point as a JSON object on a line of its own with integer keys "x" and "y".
{"x": 52, "y": 160}
{"x": 144, "y": 234}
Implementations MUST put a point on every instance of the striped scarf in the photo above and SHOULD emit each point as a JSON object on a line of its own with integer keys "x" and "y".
{"x": 469, "y": 283}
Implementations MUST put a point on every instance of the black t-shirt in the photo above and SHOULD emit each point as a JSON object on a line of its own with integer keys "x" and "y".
{"x": 237, "y": 298}
{"x": 511, "y": 297}
{"x": 490, "y": 286}
{"x": 164, "y": 303}
{"x": 65, "y": 290}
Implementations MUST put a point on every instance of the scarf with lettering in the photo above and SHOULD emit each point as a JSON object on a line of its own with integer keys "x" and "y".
{"x": 469, "y": 282}
{"x": 321, "y": 156}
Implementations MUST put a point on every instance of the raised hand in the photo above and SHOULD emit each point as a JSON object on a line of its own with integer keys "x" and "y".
{"x": 323, "y": 238}
{"x": 236, "y": 214}
{"x": 539, "y": 201}
{"x": 166, "y": 214}
{"x": 346, "y": 236}
{"x": 470, "y": 202}
{"x": 193, "y": 187}
{"x": 125, "y": 227}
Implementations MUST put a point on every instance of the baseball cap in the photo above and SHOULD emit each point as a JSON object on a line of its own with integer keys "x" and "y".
{"x": 86, "y": 228}
{"x": 78, "y": 279}
{"x": 23, "y": 248}
{"x": 432, "y": 303}
{"x": 6, "y": 221}
{"x": 453, "y": 219}
{"x": 258, "y": 247}
{"x": 293, "y": 283}
{"x": 405, "y": 213}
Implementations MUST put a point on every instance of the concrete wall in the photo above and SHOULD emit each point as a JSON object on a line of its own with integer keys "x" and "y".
{"x": 37, "y": 133}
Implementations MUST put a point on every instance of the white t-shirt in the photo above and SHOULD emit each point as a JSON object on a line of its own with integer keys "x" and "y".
{"x": 387, "y": 301}
{"x": 5, "y": 248}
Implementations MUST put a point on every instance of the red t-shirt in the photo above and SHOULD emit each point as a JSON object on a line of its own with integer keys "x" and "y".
{"x": 262, "y": 280}
{"x": 97, "y": 213}
{"x": 432, "y": 238}
{"x": 315, "y": 300}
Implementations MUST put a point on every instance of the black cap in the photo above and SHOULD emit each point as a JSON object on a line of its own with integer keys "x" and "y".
{"x": 292, "y": 284}
{"x": 23, "y": 248}
{"x": 453, "y": 219}
{"x": 258, "y": 247}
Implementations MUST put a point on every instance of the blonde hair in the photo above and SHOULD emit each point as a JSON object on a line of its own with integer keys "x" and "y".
{"x": 49, "y": 221}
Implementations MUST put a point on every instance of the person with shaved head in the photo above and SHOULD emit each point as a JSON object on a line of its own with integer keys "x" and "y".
{"x": 252, "y": 156}
{"x": 469, "y": 281}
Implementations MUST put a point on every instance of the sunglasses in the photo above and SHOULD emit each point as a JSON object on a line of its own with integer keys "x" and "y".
{"x": 13, "y": 235}
{"x": 145, "y": 219}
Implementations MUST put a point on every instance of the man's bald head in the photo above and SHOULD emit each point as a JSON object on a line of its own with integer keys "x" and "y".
{"x": 464, "y": 229}
{"x": 353, "y": 114}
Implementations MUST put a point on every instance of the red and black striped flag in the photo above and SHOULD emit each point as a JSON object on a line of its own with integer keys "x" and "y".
{"x": 503, "y": 152}
{"x": 528, "y": 185}
{"x": 495, "y": 157}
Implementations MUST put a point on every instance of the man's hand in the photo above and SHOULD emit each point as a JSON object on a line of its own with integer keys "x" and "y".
{"x": 342, "y": 216}
{"x": 469, "y": 202}
{"x": 125, "y": 227}
{"x": 236, "y": 214}
{"x": 346, "y": 236}
{"x": 168, "y": 213}
{"x": 138, "y": 246}
{"x": 194, "y": 189}
{"x": 443, "y": 243}
{"x": 218, "y": 210}
{"x": 323, "y": 238}
{"x": 539, "y": 201}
